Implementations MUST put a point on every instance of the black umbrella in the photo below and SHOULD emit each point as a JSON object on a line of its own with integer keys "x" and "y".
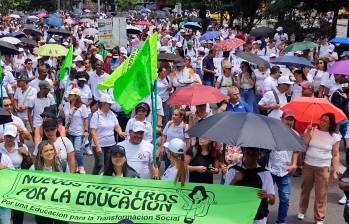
{"x": 252, "y": 58}
{"x": 28, "y": 42}
{"x": 168, "y": 57}
{"x": 32, "y": 31}
{"x": 5, "y": 117}
{"x": 248, "y": 130}
{"x": 59, "y": 32}
{"x": 7, "y": 48}
{"x": 15, "y": 34}
{"x": 261, "y": 31}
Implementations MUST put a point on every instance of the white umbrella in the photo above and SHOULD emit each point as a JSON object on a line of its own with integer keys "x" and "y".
{"x": 90, "y": 32}
{"x": 11, "y": 40}
{"x": 33, "y": 17}
{"x": 14, "y": 16}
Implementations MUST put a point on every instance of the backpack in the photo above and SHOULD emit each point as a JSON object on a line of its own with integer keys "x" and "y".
{"x": 252, "y": 179}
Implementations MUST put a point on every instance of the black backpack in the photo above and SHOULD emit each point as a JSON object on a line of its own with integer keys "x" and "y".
{"x": 252, "y": 179}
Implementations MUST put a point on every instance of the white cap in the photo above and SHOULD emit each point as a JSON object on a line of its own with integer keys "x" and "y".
{"x": 105, "y": 98}
{"x": 167, "y": 36}
{"x": 272, "y": 55}
{"x": 20, "y": 49}
{"x": 178, "y": 44}
{"x": 65, "y": 43}
{"x": 182, "y": 30}
{"x": 176, "y": 145}
{"x": 11, "y": 130}
{"x": 285, "y": 80}
{"x": 138, "y": 126}
{"x": 201, "y": 49}
{"x": 87, "y": 41}
{"x": 210, "y": 42}
{"x": 99, "y": 57}
{"x": 75, "y": 91}
{"x": 78, "y": 58}
{"x": 279, "y": 29}
{"x": 259, "y": 41}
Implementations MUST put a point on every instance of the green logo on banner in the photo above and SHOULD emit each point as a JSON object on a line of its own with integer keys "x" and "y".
{"x": 99, "y": 199}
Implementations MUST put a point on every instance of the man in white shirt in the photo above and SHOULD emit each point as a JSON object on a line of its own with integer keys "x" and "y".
{"x": 270, "y": 82}
{"x": 280, "y": 35}
{"x": 96, "y": 78}
{"x": 28, "y": 68}
{"x": 270, "y": 49}
{"x": 139, "y": 153}
{"x": 273, "y": 100}
{"x": 43, "y": 72}
{"x": 36, "y": 106}
{"x": 24, "y": 92}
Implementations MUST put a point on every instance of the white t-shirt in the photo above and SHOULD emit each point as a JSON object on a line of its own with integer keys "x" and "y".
{"x": 76, "y": 116}
{"x": 6, "y": 161}
{"x": 225, "y": 83}
{"x": 105, "y": 125}
{"x": 94, "y": 81}
{"x": 38, "y": 105}
{"x": 170, "y": 174}
{"x": 319, "y": 152}
{"x": 15, "y": 156}
{"x": 23, "y": 97}
{"x": 162, "y": 89}
{"x": 63, "y": 146}
{"x": 139, "y": 157}
{"x": 172, "y": 131}
{"x": 269, "y": 99}
{"x": 269, "y": 83}
{"x": 148, "y": 134}
{"x": 318, "y": 78}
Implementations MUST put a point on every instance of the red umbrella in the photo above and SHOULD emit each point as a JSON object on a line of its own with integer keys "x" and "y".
{"x": 195, "y": 95}
{"x": 229, "y": 44}
{"x": 143, "y": 23}
{"x": 41, "y": 15}
{"x": 310, "y": 109}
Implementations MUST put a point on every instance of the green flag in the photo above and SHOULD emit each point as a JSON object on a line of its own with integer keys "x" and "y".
{"x": 108, "y": 83}
{"x": 131, "y": 87}
{"x": 103, "y": 199}
{"x": 67, "y": 63}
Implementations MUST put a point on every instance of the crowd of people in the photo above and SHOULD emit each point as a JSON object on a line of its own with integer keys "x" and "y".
{"x": 55, "y": 123}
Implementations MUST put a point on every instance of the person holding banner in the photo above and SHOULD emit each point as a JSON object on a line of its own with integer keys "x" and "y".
{"x": 5, "y": 213}
{"x": 119, "y": 166}
{"x": 47, "y": 159}
{"x": 177, "y": 171}
{"x": 139, "y": 153}
{"x": 249, "y": 173}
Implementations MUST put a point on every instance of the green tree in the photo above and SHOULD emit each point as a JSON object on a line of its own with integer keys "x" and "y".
{"x": 7, "y": 5}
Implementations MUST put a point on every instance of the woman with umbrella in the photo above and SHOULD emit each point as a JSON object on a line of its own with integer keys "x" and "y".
{"x": 323, "y": 150}
{"x": 249, "y": 173}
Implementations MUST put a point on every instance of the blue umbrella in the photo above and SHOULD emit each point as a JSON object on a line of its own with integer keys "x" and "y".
{"x": 54, "y": 21}
{"x": 192, "y": 25}
{"x": 340, "y": 40}
{"x": 292, "y": 61}
{"x": 211, "y": 35}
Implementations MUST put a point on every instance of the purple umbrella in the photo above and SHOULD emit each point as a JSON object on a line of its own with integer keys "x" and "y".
{"x": 340, "y": 67}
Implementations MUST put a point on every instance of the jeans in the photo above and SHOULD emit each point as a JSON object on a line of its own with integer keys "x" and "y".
{"x": 208, "y": 83}
{"x": 284, "y": 191}
{"x": 102, "y": 159}
{"x": 77, "y": 143}
{"x": 5, "y": 215}
{"x": 249, "y": 97}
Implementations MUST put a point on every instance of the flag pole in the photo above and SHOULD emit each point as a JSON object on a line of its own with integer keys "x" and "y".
{"x": 1, "y": 82}
{"x": 153, "y": 95}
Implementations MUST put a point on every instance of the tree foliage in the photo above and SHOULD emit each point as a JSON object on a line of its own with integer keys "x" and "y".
{"x": 7, "y": 5}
